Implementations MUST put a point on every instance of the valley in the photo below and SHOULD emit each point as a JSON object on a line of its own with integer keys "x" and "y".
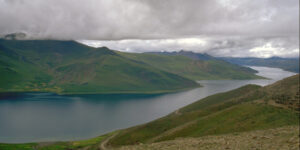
{"x": 149, "y": 75}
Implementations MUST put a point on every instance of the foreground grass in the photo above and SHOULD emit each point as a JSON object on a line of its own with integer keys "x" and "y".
{"x": 91, "y": 144}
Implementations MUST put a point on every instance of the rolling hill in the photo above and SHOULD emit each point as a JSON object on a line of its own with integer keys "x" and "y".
{"x": 194, "y": 66}
{"x": 288, "y": 64}
{"x": 68, "y": 67}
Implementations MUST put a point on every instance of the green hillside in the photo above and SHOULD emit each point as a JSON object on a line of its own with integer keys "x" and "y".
{"x": 247, "y": 108}
{"x": 69, "y": 67}
{"x": 193, "y": 65}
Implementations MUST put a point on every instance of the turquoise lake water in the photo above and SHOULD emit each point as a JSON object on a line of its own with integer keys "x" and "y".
{"x": 35, "y": 117}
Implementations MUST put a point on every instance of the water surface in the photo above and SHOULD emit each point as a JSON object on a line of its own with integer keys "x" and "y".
{"x": 34, "y": 117}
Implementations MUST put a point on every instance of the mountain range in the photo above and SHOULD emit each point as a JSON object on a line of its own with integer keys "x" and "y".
{"x": 288, "y": 64}
{"x": 197, "y": 66}
{"x": 68, "y": 67}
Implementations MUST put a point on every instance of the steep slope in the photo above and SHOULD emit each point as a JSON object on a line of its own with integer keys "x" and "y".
{"x": 288, "y": 64}
{"x": 193, "y": 65}
{"x": 69, "y": 67}
{"x": 247, "y": 108}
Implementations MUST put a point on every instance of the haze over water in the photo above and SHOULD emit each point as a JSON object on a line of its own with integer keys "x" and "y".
{"x": 34, "y": 117}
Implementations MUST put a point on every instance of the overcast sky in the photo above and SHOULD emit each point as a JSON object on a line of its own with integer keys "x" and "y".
{"x": 239, "y": 28}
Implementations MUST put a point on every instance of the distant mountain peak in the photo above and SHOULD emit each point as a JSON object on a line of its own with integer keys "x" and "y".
{"x": 190, "y": 54}
{"x": 103, "y": 47}
{"x": 15, "y": 36}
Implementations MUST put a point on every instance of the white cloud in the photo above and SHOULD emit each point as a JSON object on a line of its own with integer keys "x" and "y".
{"x": 148, "y": 19}
{"x": 268, "y": 50}
{"x": 216, "y": 46}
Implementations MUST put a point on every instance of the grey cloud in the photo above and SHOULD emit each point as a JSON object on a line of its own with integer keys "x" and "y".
{"x": 259, "y": 47}
{"x": 234, "y": 46}
{"x": 219, "y": 27}
{"x": 144, "y": 19}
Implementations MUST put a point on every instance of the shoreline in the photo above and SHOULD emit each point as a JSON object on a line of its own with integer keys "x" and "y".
{"x": 13, "y": 93}
{"x": 19, "y": 93}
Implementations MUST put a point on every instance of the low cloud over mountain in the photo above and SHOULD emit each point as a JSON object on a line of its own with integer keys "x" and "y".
{"x": 259, "y": 28}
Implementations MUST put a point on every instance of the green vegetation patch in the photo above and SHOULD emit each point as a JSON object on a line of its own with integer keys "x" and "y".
{"x": 92, "y": 144}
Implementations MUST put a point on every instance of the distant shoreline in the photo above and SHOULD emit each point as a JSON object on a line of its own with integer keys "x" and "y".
{"x": 18, "y": 93}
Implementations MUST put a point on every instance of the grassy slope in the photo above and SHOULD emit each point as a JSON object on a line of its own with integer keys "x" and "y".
{"x": 68, "y": 67}
{"x": 194, "y": 69}
{"x": 244, "y": 109}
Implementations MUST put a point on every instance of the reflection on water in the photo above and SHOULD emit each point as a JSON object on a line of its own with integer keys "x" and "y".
{"x": 50, "y": 117}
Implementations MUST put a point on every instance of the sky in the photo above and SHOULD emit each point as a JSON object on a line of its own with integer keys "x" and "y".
{"x": 237, "y": 28}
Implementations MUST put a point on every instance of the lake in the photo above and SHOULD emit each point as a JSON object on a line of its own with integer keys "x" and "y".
{"x": 36, "y": 117}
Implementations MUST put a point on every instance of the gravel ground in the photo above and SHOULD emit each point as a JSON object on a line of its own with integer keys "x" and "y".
{"x": 285, "y": 138}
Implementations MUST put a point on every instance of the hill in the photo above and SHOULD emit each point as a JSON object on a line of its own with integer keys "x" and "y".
{"x": 194, "y": 66}
{"x": 69, "y": 67}
{"x": 245, "y": 109}
{"x": 288, "y": 64}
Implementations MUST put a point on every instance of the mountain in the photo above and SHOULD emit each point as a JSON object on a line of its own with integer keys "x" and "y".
{"x": 245, "y": 118}
{"x": 68, "y": 67}
{"x": 288, "y": 64}
{"x": 194, "y": 66}
{"x": 15, "y": 36}
{"x": 244, "y": 109}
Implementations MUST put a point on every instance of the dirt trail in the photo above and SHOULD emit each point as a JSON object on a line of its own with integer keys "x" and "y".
{"x": 104, "y": 143}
